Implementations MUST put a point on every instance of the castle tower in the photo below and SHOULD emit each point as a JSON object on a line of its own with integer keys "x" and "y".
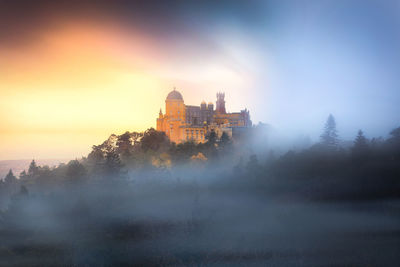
{"x": 203, "y": 105}
{"x": 221, "y": 103}
{"x": 175, "y": 116}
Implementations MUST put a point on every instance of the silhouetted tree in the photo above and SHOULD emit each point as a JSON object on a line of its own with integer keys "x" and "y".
{"x": 183, "y": 151}
{"x": 329, "y": 137}
{"x": 225, "y": 142}
{"x": 96, "y": 155}
{"x": 10, "y": 183}
{"x": 33, "y": 169}
{"x": 124, "y": 145}
{"x": 394, "y": 139}
{"x": 394, "y": 142}
{"x": 209, "y": 148}
{"x": 75, "y": 170}
{"x": 23, "y": 176}
{"x": 211, "y": 138}
{"x": 10, "y": 178}
{"x": 395, "y": 134}
{"x": 112, "y": 164}
{"x": 360, "y": 147}
{"x": 154, "y": 140}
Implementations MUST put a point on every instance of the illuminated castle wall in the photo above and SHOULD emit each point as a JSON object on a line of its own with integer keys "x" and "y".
{"x": 192, "y": 123}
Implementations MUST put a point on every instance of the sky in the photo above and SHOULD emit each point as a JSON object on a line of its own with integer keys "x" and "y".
{"x": 74, "y": 72}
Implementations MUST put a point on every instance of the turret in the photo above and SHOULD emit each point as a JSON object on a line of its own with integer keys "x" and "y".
{"x": 221, "y": 103}
{"x": 203, "y": 105}
{"x": 210, "y": 106}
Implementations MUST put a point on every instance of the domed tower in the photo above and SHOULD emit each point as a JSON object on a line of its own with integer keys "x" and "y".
{"x": 174, "y": 105}
{"x": 174, "y": 116}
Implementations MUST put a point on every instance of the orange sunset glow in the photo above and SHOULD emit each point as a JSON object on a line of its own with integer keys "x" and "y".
{"x": 78, "y": 83}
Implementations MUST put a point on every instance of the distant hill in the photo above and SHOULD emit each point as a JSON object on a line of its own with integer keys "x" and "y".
{"x": 18, "y": 166}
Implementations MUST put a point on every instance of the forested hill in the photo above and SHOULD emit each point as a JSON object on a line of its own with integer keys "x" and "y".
{"x": 370, "y": 168}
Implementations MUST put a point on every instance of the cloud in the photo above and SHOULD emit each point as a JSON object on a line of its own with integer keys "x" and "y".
{"x": 24, "y": 21}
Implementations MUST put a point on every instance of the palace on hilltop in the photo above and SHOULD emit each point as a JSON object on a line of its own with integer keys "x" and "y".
{"x": 183, "y": 123}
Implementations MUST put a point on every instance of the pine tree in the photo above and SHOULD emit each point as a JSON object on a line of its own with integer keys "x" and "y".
{"x": 211, "y": 138}
{"x": 10, "y": 178}
{"x": 393, "y": 144}
{"x": 394, "y": 139}
{"x": 75, "y": 170}
{"x": 329, "y": 137}
{"x": 361, "y": 147}
{"x": 361, "y": 143}
{"x": 225, "y": 142}
{"x": 33, "y": 168}
{"x": 23, "y": 175}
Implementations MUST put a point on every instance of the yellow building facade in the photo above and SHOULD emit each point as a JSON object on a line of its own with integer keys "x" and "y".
{"x": 182, "y": 123}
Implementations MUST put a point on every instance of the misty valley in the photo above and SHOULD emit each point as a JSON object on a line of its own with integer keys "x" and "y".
{"x": 138, "y": 199}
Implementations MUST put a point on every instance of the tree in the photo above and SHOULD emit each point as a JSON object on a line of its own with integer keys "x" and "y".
{"x": 112, "y": 164}
{"x": 394, "y": 139}
{"x": 329, "y": 137}
{"x": 360, "y": 147}
{"x": 211, "y": 138}
{"x": 183, "y": 151}
{"x": 33, "y": 169}
{"x": 395, "y": 134}
{"x": 23, "y": 175}
{"x": 124, "y": 145}
{"x": 225, "y": 141}
{"x": 154, "y": 140}
{"x": 75, "y": 170}
{"x": 10, "y": 178}
{"x": 96, "y": 155}
{"x": 393, "y": 143}
{"x": 209, "y": 148}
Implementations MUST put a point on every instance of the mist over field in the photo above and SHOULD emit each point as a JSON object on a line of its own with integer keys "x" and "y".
{"x": 138, "y": 199}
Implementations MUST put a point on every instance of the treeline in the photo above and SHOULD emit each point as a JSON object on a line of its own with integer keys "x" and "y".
{"x": 367, "y": 169}
{"x": 152, "y": 149}
{"x": 114, "y": 158}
